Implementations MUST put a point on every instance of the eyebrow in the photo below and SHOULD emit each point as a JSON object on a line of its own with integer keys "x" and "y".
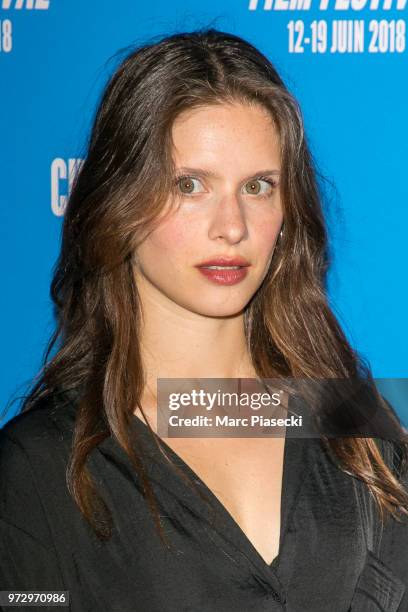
{"x": 211, "y": 174}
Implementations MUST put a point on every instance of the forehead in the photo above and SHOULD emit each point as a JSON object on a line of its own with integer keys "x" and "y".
{"x": 222, "y": 133}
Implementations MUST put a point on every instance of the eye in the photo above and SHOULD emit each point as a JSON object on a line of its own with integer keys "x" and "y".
{"x": 255, "y": 187}
{"x": 186, "y": 184}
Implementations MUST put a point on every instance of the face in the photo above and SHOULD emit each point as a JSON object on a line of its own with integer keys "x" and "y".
{"x": 227, "y": 205}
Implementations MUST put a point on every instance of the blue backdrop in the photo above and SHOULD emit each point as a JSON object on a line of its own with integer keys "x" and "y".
{"x": 345, "y": 61}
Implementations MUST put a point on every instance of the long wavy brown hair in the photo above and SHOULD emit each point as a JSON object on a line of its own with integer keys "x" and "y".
{"x": 119, "y": 195}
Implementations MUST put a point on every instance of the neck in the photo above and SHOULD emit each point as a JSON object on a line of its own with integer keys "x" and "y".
{"x": 179, "y": 343}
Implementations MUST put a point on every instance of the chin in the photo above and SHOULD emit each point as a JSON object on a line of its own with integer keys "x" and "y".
{"x": 226, "y": 309}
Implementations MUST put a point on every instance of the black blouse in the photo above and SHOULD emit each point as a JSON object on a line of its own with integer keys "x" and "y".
{"x": 332, "y": 555}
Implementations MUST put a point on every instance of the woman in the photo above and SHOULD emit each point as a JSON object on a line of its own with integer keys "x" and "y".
{"x": 197, "y": 162}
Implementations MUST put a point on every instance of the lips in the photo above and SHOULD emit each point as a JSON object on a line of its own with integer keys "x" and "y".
{"x": 225, "y": 262}
{"x": 224, "y": 270}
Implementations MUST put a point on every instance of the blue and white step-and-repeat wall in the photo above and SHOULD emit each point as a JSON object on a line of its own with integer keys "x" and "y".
{"x": 346, "y": 61}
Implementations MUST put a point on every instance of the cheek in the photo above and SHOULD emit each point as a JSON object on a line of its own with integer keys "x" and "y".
{"x": 170, "y": 242}
{"x": 266, "y": 235}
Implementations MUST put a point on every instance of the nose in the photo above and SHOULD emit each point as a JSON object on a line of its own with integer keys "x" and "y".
{"x": 228, "y": 220}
